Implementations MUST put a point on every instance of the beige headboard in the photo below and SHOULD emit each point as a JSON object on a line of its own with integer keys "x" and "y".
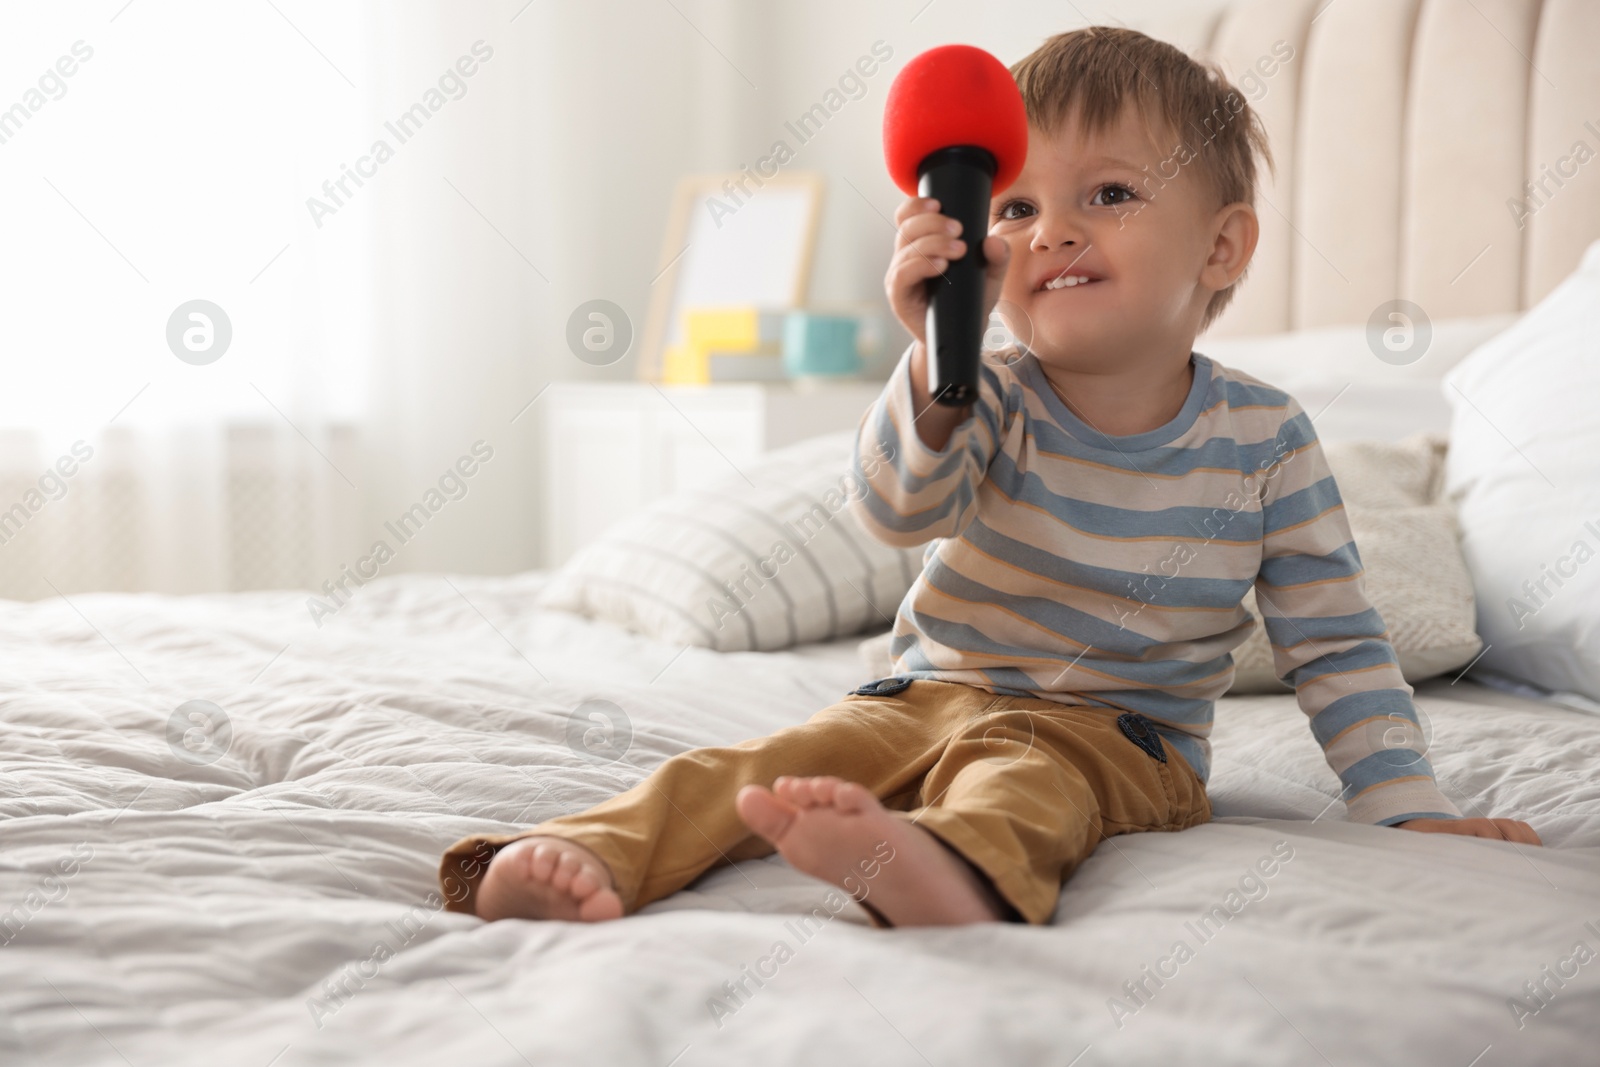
{"x": 1401, "y": 129}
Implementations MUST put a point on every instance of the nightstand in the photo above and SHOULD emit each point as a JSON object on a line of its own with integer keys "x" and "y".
{"x": 613, "y": 447}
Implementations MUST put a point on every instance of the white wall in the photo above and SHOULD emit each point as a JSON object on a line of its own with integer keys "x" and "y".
{"x": 646, "y": 97}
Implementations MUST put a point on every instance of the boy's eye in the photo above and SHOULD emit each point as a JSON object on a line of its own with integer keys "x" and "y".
{"x": 1006, "y": 212}
{"x": 1114, "y": 187}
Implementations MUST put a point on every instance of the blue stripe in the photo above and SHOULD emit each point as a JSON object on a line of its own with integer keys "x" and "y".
{"x": 1250, "y": 394}
{"x": 1285, "y": 632}
{"x": 1395, "y": 819}
{"x": 1106, "y": 520}
{"x": 1383, "y": 767}
{"x": 1344, "y": 712}
{"x": 1126, "y": 677}
{"x": 1303, "y": 504}
{"x": 1299, "y": 568}
{"x": 952, "y": 457}
{"x": 929, "y": 521}
{"x": 1297, "y": 431}
{"x": 1141, "y": 587}
{"x": 1078, "y": 627}
{"x": 1371, "y": 653}
{"x": 1169, "y": 461}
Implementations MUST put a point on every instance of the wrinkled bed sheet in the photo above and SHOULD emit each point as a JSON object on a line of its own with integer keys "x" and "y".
{"x": 256, "y": 886}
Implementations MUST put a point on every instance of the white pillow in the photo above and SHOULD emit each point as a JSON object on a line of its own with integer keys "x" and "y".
{"x": 1350, "y": 392}
{"x": 741, "y": 567}
{"x": 1524, "y": 474}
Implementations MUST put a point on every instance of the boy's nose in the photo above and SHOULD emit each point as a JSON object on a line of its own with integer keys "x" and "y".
{"x": 1052, "y": 235}
{"x": 1044, "y": 242}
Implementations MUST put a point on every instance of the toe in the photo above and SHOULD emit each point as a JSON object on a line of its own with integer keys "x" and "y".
{"x": 542, "y": 863}
{"x": 853, "y": 797}
{"x": 600, "y": 906}
{"x": 764, "y": 812}
{"x": 801, "y": 792}
{"x": 584, "y": 883}
{"x": 566, "y": 867}
{"x": 826, "y": 789}
{"x": 818, "y": 790}
{"x": 514, "y": 863}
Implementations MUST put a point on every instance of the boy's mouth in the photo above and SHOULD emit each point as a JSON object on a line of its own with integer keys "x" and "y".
{"x": 1067, "y": 281}
{"x": 1071, "y": 278}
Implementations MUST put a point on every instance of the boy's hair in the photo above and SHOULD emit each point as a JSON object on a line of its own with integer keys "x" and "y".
{"x": 1097, "y": 69}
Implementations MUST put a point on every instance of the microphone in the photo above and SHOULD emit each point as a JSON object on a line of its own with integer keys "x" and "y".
{"x": 955, "y": 129}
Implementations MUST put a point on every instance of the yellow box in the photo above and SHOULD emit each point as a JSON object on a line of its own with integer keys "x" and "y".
{"x": 734, "y": 329}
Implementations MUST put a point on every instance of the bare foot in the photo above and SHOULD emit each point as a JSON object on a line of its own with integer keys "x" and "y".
{"x": 837, "y": 831}
{"x": 548, "y": 878}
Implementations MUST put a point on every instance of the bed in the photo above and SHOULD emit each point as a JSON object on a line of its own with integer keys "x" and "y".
{"x": 220, "y": 823}
{"x": 277, "y": 904}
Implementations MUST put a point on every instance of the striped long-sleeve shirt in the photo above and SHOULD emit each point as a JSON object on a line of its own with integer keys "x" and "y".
{"x": 1110, "y": 571}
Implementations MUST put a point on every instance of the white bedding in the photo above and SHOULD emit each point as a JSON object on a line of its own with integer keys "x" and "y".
{"x": 211, "y": 903}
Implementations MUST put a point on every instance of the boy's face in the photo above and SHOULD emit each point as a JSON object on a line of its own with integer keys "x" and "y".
{"x": 1085, "y": 207}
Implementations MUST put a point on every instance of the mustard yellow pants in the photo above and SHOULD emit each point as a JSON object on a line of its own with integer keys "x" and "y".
{"x": 1023, "y": 788}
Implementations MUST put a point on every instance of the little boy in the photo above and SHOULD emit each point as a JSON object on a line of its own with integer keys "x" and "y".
{"x": 1101, "y": 511}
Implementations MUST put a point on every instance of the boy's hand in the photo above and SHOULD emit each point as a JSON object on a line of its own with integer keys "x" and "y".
{"x": 1498, "y": 829}
{"x": 925, "y": 242}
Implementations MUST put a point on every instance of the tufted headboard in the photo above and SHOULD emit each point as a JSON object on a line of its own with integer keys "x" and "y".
{"x": 1405, "y": 133}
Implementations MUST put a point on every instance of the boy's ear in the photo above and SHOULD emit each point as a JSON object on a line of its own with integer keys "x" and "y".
{"x": 1237, "y": 230}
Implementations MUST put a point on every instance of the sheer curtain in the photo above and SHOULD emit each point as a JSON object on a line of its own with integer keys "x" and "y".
{"x": 395, "y": 206}
{"x": 156, "y": 155}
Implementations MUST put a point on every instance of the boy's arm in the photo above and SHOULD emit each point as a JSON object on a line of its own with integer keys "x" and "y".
{"x": 1331, "y": 644}
{"x": 910, "y": 490}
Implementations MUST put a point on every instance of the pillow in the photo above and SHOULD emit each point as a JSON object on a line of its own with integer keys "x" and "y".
{"x": 1524, "y": 475}
{"x": 1353, "y": 395}
{"x": 745, "y": 566}
{"x": 1415, "y": 576}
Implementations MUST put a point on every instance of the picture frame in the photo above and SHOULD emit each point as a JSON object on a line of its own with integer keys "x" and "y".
{"x": 731, "y": 241}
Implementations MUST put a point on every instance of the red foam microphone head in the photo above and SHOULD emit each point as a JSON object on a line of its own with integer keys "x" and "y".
{"x": 954, "y": 95}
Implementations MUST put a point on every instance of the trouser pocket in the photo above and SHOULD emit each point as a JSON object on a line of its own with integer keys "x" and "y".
{"x": 1186, "y": 801}
{"x": 1141, "y": 733}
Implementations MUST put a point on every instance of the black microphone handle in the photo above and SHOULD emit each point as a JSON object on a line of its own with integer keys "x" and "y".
{"x": 960, "y": 178}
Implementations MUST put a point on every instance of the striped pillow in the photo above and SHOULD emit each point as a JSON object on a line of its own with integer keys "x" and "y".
{"x": 745, "y": 566}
